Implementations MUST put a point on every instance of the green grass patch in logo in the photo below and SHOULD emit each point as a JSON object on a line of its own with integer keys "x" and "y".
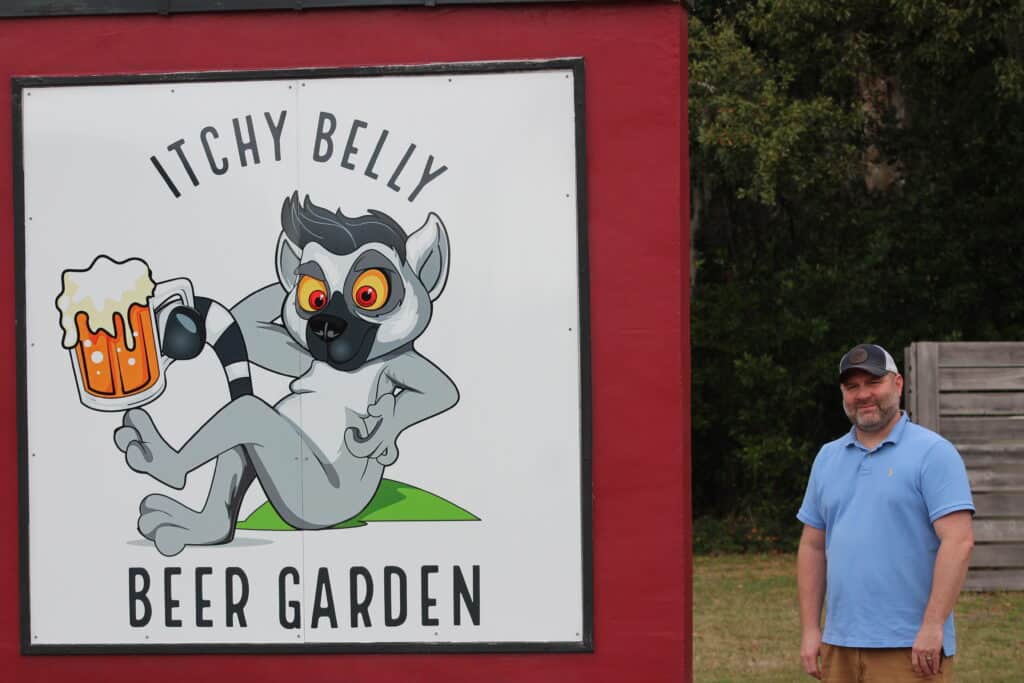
{"x": 393, "y": 502}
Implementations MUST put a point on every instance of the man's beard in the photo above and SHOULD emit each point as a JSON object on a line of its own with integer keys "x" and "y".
{"x": 887, "y": 408}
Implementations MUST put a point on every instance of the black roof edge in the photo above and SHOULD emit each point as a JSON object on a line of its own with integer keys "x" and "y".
{"x": 56, "y": 8}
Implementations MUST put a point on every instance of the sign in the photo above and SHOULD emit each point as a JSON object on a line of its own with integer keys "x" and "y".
{"x": 305, "y": 360}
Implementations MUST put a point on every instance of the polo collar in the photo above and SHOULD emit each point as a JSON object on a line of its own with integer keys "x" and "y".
{"x": 893, "y": 438}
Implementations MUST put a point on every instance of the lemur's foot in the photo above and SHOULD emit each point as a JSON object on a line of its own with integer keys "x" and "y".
{"x": 172, "y": 526}
{"x": 146, "y": 451}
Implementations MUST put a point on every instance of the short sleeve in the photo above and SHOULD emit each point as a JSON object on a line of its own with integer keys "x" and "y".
{"x": 944, "y": 483}
{"x": 810, "y": 509}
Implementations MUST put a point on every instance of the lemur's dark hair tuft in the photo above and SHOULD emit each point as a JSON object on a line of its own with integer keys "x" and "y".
{"x": 336, "y": 232}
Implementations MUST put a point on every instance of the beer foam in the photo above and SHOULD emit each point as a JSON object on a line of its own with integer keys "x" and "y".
{"x": 103, "y": 290}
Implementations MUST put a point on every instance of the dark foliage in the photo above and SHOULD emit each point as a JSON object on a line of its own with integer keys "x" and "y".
{"x": 857, "y": 175}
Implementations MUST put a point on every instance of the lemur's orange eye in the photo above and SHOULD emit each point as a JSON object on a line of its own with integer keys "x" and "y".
{"x": 370, "y": 290}
{"x": 311, "y": 294}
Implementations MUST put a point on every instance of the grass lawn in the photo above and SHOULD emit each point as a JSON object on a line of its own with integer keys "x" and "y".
{"x": 746, "y": 625}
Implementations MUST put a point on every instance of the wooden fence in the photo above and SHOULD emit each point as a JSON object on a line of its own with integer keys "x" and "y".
{"x": 973, "y": 394}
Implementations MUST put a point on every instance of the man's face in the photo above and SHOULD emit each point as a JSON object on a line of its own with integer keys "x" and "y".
{"x": 871, "y": 402}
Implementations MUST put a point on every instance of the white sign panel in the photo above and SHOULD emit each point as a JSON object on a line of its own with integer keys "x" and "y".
{"x": 305, "y": 360}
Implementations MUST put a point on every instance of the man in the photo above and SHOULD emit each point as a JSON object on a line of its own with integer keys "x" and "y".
{"x": 887, "y": 535}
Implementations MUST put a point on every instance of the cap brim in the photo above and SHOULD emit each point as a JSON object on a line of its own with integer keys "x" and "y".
{"x": 870, "y": 369}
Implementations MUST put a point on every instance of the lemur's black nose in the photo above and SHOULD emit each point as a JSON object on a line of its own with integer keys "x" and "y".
{"x": 327, "y": 327}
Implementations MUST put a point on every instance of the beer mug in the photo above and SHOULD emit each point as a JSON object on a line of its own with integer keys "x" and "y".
{"x": 113, "y": 315}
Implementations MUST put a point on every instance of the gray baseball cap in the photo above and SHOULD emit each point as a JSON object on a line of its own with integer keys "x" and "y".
{"x": 870, "y": 358}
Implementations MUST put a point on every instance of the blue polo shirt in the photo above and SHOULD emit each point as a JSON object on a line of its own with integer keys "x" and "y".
{"x": 877, "y": 507}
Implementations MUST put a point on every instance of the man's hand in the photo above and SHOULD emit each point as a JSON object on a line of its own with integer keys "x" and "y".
{"x": 926, "y": 654}
{"x": 810, "y": 651}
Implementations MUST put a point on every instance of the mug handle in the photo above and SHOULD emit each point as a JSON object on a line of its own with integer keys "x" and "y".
{"x": 167, "y": 295}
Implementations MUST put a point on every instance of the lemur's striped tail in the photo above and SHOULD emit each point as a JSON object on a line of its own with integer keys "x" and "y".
{"x": 211, "y": 323}
{"x": 225, "y": 336}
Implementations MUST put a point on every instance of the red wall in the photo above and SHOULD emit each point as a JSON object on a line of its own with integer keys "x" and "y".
{"x": 637, "y": 171}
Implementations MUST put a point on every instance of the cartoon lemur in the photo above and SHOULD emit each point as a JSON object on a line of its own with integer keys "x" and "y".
{"x": 353, "y": 295}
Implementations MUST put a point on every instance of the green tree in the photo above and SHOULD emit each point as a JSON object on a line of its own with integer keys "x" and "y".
{"x": 855, "y": 176}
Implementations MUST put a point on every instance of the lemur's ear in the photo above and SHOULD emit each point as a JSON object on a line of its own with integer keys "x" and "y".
{"x": 288, "y": 256}
{"x": 428, "y": 253}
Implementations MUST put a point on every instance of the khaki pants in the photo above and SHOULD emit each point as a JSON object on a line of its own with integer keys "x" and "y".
{"x": 875, "y": 665}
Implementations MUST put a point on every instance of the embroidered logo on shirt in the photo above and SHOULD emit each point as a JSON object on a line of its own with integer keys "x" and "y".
{"x": 889, "y": 472}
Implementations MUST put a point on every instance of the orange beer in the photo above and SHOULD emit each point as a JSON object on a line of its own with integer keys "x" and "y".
{"x": 108, "y": 367}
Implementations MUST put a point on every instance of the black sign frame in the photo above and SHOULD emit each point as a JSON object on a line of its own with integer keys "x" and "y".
{"x": 53, "y": 8}
{"x": 585, "y": 643}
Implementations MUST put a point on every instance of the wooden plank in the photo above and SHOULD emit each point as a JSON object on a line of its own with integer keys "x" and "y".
{"x": 994, "y": 459}
{"x": 998, "y": 478}
{"x": 1002, "y": 504}
{"x": 995, "y": 580}
{"x": 1012, "y": 450}
{"x": 967, "y": 430}
{"x": 926, "y": 386}
{"x": 999, "y": 504}
{"x": 981, "y": 379}
{"x": 909, "y": 381}
{"x": 980, "y": 354}
{"x": 1002, "y": 403}
{"x": 999, "y": 530}
{"x": 998, "y": 555}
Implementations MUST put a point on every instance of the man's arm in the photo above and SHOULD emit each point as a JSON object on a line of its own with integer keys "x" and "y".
{"x": 810, "y": 579}
{"x": 956, "y": 538}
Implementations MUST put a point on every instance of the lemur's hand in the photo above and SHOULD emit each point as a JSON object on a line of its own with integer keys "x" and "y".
{"x": 379, "y": 443}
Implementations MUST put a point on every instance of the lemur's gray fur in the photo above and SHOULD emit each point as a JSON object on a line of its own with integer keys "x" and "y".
{"x": 319, "y": 452}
